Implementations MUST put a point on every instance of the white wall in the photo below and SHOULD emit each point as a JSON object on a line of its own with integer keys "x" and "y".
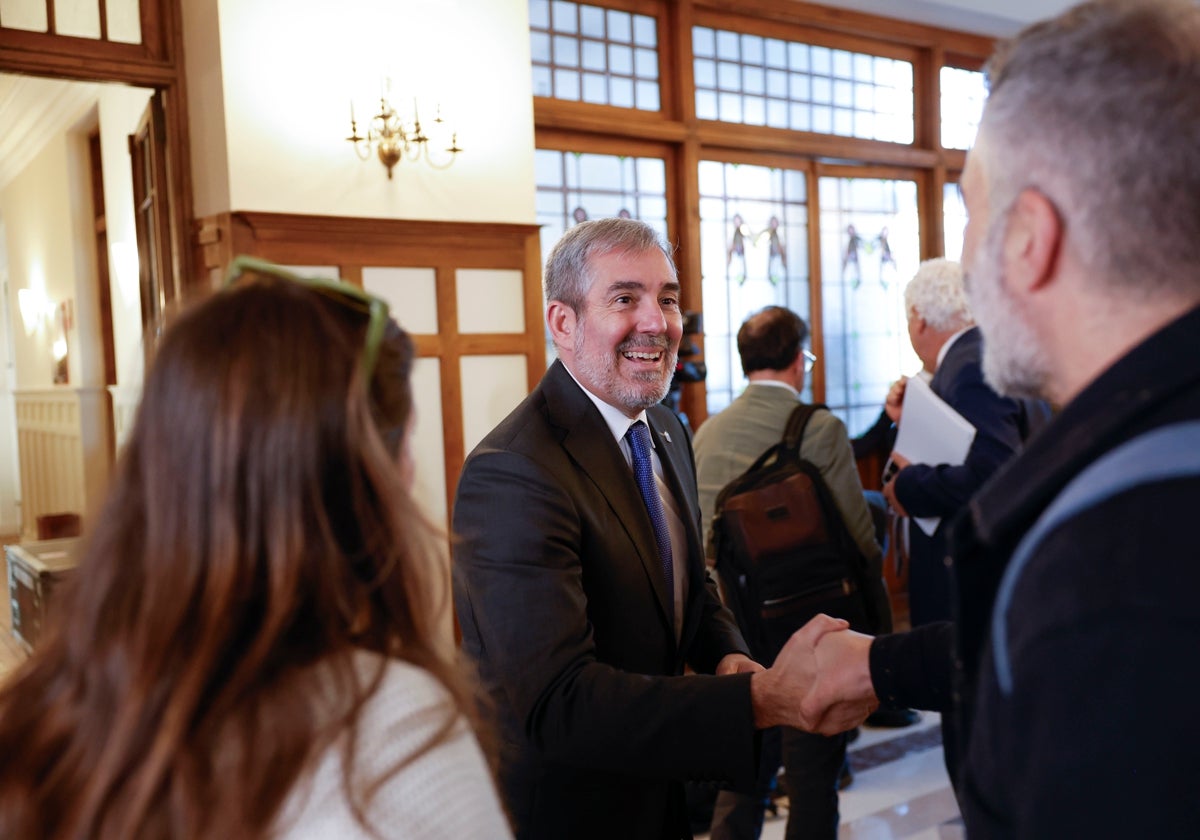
{"x": 206, "y": 107}
{"x": 10, "y": 513}
{"x": 291, "y": 68}
{"x": 36, "y": 208}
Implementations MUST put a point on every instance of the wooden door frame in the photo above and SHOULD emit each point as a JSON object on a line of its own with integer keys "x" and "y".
{"x": 156, "y": 63}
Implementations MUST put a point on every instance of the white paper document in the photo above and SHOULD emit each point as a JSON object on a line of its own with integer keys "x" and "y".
{"x": 931, "y": 432}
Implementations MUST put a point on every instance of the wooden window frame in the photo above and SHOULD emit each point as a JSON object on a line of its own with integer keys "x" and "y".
{"x": 683, "y": 140}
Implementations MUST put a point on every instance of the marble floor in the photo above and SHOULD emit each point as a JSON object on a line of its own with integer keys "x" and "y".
{"x": 900, "y": 789}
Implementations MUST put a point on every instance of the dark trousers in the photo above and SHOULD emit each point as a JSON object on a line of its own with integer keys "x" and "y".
{"x": 812, "y": 765}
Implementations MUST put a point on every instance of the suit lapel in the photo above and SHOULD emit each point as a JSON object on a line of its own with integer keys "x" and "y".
{"x": 587, "y": 439}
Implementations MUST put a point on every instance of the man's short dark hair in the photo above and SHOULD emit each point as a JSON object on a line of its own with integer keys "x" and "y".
{"x": 771, "y": 339}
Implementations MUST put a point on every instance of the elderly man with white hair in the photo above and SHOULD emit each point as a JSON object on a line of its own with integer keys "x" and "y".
{"x": 945, "y": 338}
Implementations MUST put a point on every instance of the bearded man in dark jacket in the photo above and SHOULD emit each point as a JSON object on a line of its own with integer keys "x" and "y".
{"x": 1069, "y": 666}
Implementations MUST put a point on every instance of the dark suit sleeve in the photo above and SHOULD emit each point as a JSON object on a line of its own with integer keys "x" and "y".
{"x": 915, "y": 669}
{"x": 520, "y": 570}
{"x": 942, "y": 489}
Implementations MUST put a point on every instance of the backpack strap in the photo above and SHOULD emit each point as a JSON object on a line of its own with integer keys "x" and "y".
{"x": 793, "y": 432}
{"x": 1158, "y": 455}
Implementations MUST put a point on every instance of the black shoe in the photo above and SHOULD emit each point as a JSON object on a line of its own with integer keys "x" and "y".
{"x": 893, "y": 718}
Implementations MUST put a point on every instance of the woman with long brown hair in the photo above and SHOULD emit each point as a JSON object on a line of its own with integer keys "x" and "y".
{"x": 253, "y": 646}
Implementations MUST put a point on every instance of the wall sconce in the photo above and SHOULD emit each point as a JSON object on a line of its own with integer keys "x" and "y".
{"x": 394, "y": 139}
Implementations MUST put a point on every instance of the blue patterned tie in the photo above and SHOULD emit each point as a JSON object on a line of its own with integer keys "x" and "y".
{"x": 643, "y": 470}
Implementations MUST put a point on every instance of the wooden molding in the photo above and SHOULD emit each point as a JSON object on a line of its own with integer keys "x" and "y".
{"x": 353, "y": 243}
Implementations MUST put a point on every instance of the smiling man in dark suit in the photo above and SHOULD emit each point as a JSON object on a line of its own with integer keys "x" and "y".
{"x": 582, "y": 593}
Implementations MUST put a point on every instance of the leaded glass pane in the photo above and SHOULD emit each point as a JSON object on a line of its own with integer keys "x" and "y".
{"x": 963, "y": 93}
{"x": 754, "y": 81}
{"x": 595, "y": 90}
{"x": 863, "y": 68}
{"x": 645, "y": 31}
{"x": 776, "y": 53}
{"x": 729, "y": 76}
{"x": 621, "y": 91}
{"x": 753, "y": 253}
{"x": 752, "y": 49}
{"x": 777, "y": 84}
{"x": 870, "y": 248}
{"x": 566, "y": 52}
{"x": 542, "y": 81}
{"x": 620, "y": 26}
{"x": 646, "y": 64}
{"x": 591, "y": 21}
{"x": 842, "y": 62}
{"x": 755, "y": 111}
{"x": 647, "y": 96}
{"x": 731, "y": 108}
{"x": 620, "y": 60}
{"x": 593, "y": 55}
{"x": 566, "y": 16}
{"x": 727, "y": 45}
{"x": 539, "y": 47}
{"x": 567, "y": 36}
{"x": 566, "y": 84}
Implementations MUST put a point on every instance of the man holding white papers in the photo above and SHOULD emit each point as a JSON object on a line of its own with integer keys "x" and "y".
{"x": 945, "y": 338}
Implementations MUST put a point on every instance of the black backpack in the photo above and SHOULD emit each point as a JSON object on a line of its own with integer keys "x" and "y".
{"x": 783, "y": 552}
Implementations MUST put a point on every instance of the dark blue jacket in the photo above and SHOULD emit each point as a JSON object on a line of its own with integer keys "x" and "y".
{"x": 942, "y": 490}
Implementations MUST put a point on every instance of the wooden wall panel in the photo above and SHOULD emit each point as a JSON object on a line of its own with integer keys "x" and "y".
{"x": 354, "y": 243}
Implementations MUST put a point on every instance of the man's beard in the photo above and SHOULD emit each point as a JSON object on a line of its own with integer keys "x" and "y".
{"x": 649, "y": 387}
{"x": 1013, "y": 361}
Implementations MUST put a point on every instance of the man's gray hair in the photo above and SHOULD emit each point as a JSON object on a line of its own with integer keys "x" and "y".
{"x": 1099, "y": 110}
{"x": 936, "y": 293}
{"x": 568, "y": 269}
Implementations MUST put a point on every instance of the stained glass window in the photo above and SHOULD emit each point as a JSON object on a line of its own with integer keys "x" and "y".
{"x": 753, "y": 80}
{"x": 870, "y": 249}
{"x": 753, "y": 253}
{"x": 590, "y": 54}
{"x": 963, "y": 93}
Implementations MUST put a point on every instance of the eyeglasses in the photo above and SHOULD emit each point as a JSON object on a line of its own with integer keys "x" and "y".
{"x": 810, "y": 359}
{"x": 347, "y": 294}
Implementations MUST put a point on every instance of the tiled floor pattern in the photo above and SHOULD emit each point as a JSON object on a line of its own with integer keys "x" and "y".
{"x": 900, "y": 789}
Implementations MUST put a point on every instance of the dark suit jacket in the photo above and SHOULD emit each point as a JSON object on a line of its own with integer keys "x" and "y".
{"x": 562, "y": 604}
{"x": 943, "y": 490}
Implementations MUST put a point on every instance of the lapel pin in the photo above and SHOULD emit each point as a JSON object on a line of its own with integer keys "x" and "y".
{"x": 667, "y": 436}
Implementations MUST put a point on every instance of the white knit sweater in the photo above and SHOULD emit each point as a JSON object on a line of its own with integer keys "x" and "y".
{"x": 446, "y": 793}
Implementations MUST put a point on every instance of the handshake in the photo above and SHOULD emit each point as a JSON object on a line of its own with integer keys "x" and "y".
{"x": 820, "y": 681}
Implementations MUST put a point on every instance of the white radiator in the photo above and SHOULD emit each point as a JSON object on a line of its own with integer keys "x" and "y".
{"x": 64, "y": 450}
